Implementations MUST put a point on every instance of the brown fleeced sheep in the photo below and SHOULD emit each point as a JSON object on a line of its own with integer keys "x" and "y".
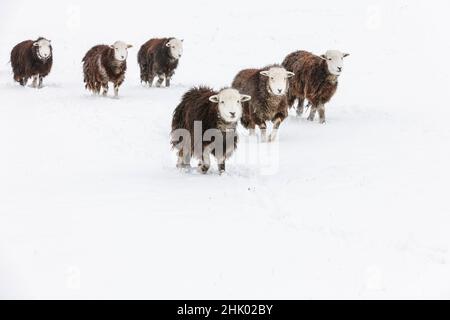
{"x": 316, "y": 79}
{"x": 267, "y": 87}
{"x": 159, "y": 57}
{"x": 32, "y": 59}
{"x": 103, "y": 64}
{"x": 205, "y": 123}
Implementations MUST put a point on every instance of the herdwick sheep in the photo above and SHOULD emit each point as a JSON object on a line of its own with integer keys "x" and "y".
{"x": 316, "y": 79}
{"x": 32, "y": 59}
{"x": 159, "y": 57}
{"x": 103, "y": 64}
{"x": 267, "y": 87}
{"x": 205, "y": 123}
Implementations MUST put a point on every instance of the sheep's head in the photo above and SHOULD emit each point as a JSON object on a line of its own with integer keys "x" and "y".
{"x": 120, "y": 50}
{"x": 335, "y": 61}
{"x": 277, "y": 82}
{"x": 230, "y": 104}
{"x": 43, "y": 48}
{"x": 175, "y": 48}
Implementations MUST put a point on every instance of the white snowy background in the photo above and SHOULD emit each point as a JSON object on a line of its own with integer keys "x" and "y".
{"x": 92, "y": 206}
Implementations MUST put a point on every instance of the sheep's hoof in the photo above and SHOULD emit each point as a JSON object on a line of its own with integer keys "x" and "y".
{"x": 322, "y": 121}
{"x": 203, "y": 169}
{"x": 299, "y": 112}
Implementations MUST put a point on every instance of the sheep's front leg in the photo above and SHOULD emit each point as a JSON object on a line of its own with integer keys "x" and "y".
{"x": 116, "y": 90}
{"x": 312, "y": 112}
{"x": 300, "y": 106}
{"x": 168, "y": 78}
{"x": 41, "y": 79}
{"x": 184, "y": 160}
{"x": 251, "y": 129}
{"x": 276, "y": 125}
{"x": 206, "y": 160}
{"x": 23, "y": 81}
{"x": 105, "y": 89}
{"x": 321, "y": 109}
{"x": 161, "y": 79}
{"x": 221, "y": 165}
{"x": 263, "y": 128}
{"x": 35, "y": 81}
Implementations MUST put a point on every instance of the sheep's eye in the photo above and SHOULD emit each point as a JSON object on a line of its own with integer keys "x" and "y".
{"x": 271, "y": 78}
{"x": 239, "y": 101}
{"x": 222, "y": 101}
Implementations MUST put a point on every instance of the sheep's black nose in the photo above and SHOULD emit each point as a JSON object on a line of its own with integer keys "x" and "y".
{"x": 339, "y": 68}
{"x": 233, "y": 114}
{"x": 279, "y": 90}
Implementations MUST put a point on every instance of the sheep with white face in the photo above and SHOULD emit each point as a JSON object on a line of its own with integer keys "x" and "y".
{"x": 176, "y": 48}
{"x": 230, "y": 104}
{"x": 44, "y": 50}
{"x": 120, "y": 50}
{"x": 278, "y": 80}
{"x": 335, "y": 61}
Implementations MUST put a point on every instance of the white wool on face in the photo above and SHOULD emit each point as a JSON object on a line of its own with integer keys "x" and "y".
{"x": 335, "y": 61}
{"x": 120, "y": 50}
{"x": 230, "y": 105}
{"x": 278, "y": 80}
{"x": 176, "y": 48}
{"x": 44, "y": 49}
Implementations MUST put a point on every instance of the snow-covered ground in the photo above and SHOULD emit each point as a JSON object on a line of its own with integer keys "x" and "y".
{"x": 91, "y": 205}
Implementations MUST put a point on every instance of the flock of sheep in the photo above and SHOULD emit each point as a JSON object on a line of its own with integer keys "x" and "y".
{"x": 205, "y": 121}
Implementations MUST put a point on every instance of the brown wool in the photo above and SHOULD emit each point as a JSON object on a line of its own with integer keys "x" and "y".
{"x": 312, "y": 80}
{"x": 155, "y": 60}
{"x": 195, "y": 106}
{"x": 26, "y": 63}
{"x": 263, "y": 106}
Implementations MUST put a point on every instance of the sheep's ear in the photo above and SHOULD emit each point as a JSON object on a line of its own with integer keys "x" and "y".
{"x": 214, "y": 99}
{"x": 264, "y": 73}
{"x": 129, "y": 46}
{"x": 245, "y": 98}
{"x": 290, "y": 74}
{"x": 323, "y": 57}
{"x": 111, "y": 46}
{"x": 345, "y": 55}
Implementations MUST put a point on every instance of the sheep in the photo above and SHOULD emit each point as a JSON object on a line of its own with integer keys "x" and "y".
{"x": 205, "y": 123}
{"x": 103, "y": 64}
{"x": 316, "y": 79}
{"x": 32, "y": 59}
{"x": 159, "y": 57}
{"x": 267, "y": 87}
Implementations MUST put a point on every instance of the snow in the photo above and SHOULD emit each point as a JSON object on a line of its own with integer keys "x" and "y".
{"x": 92, "y": 205}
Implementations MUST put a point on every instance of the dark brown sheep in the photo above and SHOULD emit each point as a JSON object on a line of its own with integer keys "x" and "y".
{"x": 32, "y": 59}
{"x": 103, "y": 64}
{"x": 159, "y": 57}
{"x": 316, "y": 79}
{"x": 267, "y": 87}
{"x": 205, "y": 123}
